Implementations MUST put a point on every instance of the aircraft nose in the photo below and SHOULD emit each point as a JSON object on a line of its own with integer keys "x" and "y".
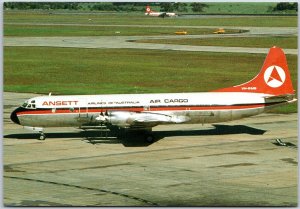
{"x": 14, "y": 117}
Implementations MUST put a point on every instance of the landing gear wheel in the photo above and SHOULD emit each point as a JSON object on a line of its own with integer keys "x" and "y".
{"x": 149, "y": 138}
{"x": 42, "y": 136}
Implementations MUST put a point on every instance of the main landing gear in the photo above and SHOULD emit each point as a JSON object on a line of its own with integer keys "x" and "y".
{"x": 137, "y": 134}
{"x": 149, "y": 137}
{"x": 37, "y": 130}
{"x": 42, "y": 136}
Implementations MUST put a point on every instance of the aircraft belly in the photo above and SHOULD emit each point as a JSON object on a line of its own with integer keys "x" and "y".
{"x": 238, "y": 114}
{"x": 228, "y": 115}
{"x": 53, "y": 120}
{"x": 215, "y": 116}
{"x": 210, "y": 116}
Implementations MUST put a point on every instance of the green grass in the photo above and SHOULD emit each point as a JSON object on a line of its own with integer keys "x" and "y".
{"x": 110, "y": 71}
{"x": 260, "y": 42}
{"x": 63, "y": 30}
{"x": 141, "y": 19}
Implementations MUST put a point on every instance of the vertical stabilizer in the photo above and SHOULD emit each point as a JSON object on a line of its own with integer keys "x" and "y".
{"x": 148, "y": 9}
{"x": 273, "y": 78}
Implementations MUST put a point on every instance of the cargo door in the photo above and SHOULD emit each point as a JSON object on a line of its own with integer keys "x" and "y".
{"x": 83, "y": 112}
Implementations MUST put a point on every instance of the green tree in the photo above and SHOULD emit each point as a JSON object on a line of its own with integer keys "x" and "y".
{"x": 180, "y": 7}
{"x": 166, "y": 7}
{"x": 286, "y": 6}
{"x": 198, "y": 7}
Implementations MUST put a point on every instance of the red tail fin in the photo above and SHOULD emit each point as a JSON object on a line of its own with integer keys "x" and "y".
{"x": 148, "y": 10}
{"x": 274, "y": 77}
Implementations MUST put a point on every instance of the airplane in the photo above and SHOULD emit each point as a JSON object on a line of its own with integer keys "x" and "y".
{"x": 158, "y": 14}
{"x": 272, "y": 87}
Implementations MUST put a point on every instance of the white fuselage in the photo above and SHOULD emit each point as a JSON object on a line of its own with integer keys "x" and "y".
{"x": 78, "y": 110}
{"x": 158, "y": 14}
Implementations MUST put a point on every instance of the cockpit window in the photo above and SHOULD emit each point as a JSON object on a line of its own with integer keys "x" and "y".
{"x": 29, "y": 106}
{"x": 25, "y": 104}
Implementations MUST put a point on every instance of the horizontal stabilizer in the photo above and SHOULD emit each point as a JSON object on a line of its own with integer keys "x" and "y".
{"x": 281, "y": 98}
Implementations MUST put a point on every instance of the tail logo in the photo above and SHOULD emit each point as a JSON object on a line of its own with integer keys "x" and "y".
{"x": 148, "y": 9}
{"x": 274, "y": 76}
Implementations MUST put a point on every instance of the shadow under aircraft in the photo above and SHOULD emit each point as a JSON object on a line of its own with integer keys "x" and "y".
{"x": 135, "y": 139}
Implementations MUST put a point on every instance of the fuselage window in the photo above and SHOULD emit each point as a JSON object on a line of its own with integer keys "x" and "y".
{"x": 71, "y": 109}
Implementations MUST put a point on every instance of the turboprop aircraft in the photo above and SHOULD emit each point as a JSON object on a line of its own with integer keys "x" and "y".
{"x": 270, "y": 88}
{"x": 158, "y": 14}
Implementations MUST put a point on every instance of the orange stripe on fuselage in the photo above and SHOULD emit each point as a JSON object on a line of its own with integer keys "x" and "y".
{"x": 140, "y": 109}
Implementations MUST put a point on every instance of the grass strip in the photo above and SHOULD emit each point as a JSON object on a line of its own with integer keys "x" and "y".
{"x": 141, "y": 19}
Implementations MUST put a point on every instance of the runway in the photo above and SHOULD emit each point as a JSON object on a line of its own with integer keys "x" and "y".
{"x": 95, "y": 42}
{"x": 229, "y": 164}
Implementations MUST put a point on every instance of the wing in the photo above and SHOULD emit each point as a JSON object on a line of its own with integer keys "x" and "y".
{"x": 139, "y": 119}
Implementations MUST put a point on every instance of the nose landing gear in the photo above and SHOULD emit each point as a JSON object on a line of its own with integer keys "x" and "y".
{"x": 37, "y": 129}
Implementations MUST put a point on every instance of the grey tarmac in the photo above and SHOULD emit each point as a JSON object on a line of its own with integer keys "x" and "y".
{"x": 128, "y": 42}
{"x": 228, "y": 164}
{"x": 252, "y": 30}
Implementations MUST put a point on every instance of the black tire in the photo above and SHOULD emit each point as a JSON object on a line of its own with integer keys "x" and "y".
{"x": 149, "y": 138}
{"x": 42, "y": 137}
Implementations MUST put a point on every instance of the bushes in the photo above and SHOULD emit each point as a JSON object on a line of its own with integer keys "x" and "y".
{"x": 286, "y": 6}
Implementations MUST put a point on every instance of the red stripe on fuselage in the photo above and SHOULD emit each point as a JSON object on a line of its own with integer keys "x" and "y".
{"x": 140, "y": 109}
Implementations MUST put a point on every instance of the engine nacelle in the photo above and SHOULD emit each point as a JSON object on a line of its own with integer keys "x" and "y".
{"x": 121, "y": 118}
{"x": 126, "y": 118}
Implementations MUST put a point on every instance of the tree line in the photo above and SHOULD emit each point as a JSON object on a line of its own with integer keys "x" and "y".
{"x": 283, "y": 6}
{"x": 126, "y": 6}
{"x": 116, "y": 6}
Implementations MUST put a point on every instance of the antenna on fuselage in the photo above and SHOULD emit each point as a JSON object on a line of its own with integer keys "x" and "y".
{"x": 50, "y": 94}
